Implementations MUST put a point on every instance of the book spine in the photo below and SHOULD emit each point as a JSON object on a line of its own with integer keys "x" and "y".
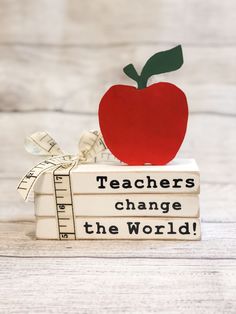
{"x": 151, "y": 205}
{"x": 132, "y": 228}
{"x": 127, "y": 183}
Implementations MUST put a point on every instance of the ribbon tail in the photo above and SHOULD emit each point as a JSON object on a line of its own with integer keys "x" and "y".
{"x": 28, "y": 182}
{"x": 90, "y": 145}
{"x": 41, "y": 143}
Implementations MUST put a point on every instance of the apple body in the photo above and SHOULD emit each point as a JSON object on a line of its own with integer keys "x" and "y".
{"x": 144, "y": 126}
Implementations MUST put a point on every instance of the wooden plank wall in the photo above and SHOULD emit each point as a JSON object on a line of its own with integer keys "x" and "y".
{"x": 58, "y": 57}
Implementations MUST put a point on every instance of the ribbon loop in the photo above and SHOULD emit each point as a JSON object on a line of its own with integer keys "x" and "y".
{"x": 41, "y": 143}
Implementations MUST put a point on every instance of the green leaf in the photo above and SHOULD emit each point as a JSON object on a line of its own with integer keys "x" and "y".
{"x": 161, "y": 62}
{"x": 131, "y": 72}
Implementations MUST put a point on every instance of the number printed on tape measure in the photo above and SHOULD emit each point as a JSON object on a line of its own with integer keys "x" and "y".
{"x": 64, "y": 203}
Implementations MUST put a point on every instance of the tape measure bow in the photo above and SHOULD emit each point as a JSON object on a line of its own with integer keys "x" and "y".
{"x": 41, "y": 143}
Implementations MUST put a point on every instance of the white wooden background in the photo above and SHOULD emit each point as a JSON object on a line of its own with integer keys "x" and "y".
{"x": 57, "y": 58}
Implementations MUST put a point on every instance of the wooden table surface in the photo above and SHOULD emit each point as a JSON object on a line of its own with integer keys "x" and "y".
{"x": 57, "y": 58}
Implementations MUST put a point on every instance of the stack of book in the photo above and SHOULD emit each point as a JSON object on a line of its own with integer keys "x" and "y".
{"x": 114, "y": 201}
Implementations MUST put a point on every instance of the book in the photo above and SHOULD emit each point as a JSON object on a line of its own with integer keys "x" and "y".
{"x": 153, "y": 205}
{"x": 122, "y": 228}
{"x": 179, "y": 176}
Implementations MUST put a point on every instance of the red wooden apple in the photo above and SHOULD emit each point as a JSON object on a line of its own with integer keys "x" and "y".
{"x": 145, "y": 124}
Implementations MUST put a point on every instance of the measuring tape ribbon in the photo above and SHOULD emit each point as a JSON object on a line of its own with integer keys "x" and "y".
{"x": 41, "y": 143}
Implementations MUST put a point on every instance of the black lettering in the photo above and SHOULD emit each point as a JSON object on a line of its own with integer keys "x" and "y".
{"x": 115, "y": 184}
{"x": 153, "y": 204}
{"x": 87, "y": 226}
{"x": 141, "y": 205}
{"x": 119, "y": 208}
{"x": 151, "y": 181}
{"x": 126, "y": 184}
{"x": 139, "y": 186}
{"x": 158, "y": 228}
{"x": 165, "y": 206}
{"x": 184, "y": 229}
{"x": 100, "y": 228}
{"x": 147, "y": 229}
{"x": 177, "y": 206}
{"x": 129, "y": 204}
{"x": 102, "y": 179}
{"x": 190, "y": 183}
{"x": 176, "y": 181}
{"x": 164, "y": 183}
{"x": 171, "y": 228}
{"x": 113, "y": 230}
{"x": 133, "y": 227}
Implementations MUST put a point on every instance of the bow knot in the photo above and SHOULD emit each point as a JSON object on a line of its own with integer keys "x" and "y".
{"x": 91, "y": 144}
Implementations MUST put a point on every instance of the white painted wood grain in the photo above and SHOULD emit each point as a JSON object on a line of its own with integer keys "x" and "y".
{"x": 102, "y": 228}
{"x": 121, "y": 286}
{"x": 217, "y": 202}
{"x": 103, "y": 22}
{"x": 74, "y": 79}
{"x": 84, "y": 178}
{"x": 210, "y": 140}
{"x": 156, "y": 205}
{"x": 218, "y": 242}
{"x": 117, "y": 285}
{"x": 63, "y": 55}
